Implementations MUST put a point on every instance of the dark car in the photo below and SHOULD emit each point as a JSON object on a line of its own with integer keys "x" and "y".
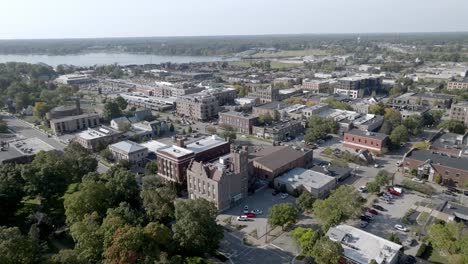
{"x": 378, "y": 207}
{"x": 372, "y": 211}
{"x": 448, "y": 192}
{"x": 410, "y": 259}
{"x": 275, "y": 192}
{"x": 380, "y": 194}
{"x": 465, "y": 193}
{"x": 365, "y": 218}
{"x": 454, "y": 190}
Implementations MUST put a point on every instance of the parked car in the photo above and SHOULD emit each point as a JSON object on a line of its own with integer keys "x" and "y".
{"x": 401, "y": 228}
{"x": 385, "y": 199}
{"x": 465, "y": 193}
{"x": 393, "y": 192}
{"x": 417, "y": 180}
{"x": 378, "y": 207}
{"x": 372, "y": 211}
{"x": 387, "y": 195}
{"x": 275, "y": 192}
{"x": 365, "y": 218}
{"x": 448, "y": 192}
{"x": 284, "y": 195}
{"x": 410, "y": 259}
{"x": 363, "y": 189}
{"x": 408, "y": 242}
{"x": 257, "y": 212}
{"x": 246, "y": 209}
{"x": 380, "y": 194}
{"x": 399, "y": 163}
{"x": 251, "y": 215}
{"x": 371, "y": 216}
{"x": 376, "y": 165}
{"x": 363, "y": 224}
{"x": 243, "y": 218}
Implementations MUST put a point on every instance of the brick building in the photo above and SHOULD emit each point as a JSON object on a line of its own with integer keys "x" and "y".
{"x": 429, "y": 164}
{"x": 264, "y": 94}
{"x": 240, "y": 121}
{"x": 223, "y": 181}
{"x": 279, "y": 131}
{"x": 199, "y": 107}
{"x": 358, "y": 139}
{"x": 274, "y": 109}
{"x": 316, "y": 86}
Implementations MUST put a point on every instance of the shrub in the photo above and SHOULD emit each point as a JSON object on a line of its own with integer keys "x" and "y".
{"x": 421, "y": 250}
{"x": 438, "y": 179}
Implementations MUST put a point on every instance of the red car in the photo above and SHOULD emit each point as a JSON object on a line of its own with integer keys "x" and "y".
{"x": 393, "y": 192}
{"x": 250, "y": 215}
{"x": 372, "y": 211}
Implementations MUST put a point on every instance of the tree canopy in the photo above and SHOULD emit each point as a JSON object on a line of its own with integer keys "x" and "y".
{"x": 283, "y": 214}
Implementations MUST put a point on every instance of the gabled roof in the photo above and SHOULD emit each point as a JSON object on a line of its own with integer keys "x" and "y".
{"x": 127, "y": 146}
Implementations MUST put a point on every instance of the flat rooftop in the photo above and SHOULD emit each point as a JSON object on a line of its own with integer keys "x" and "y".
{"x": 153, "y": 145}
{"x": 206, "y": 143}
{"x": 69, "y": 118}
{"x": 23, "y": 147}
{"x": 302, "y": 177}
{"x": 368, "y": 134}
{"x": 362, "y": 246}
{"x": 175, "y": 151}
{"x": 275, "y": 105}
{"x": 92, "y": 133}
{"x": 278, "y": 156}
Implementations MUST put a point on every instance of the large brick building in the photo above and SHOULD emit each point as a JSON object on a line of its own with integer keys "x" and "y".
{"x": 429, "y": 164}
{"x": 316, "y": 86}
{"x": 240, "y": 121}
{"x": 264, "y": 94}
{"x": 223, "y": 181}
{"x": 279, "y": 131}
{"x": 358, "y": 139}
{"x": 174, "y": 160}
{"x": 199, "y": 107}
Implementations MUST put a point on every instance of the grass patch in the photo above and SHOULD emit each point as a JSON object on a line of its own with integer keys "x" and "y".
{"x": 227, "y": 220}
{"x": 273, "y": 64}
{"x": 291, "y": 53}
{"x": 239, "y": 227}
{"x": 419, "y": 187}
{"x": 422, "y": 218}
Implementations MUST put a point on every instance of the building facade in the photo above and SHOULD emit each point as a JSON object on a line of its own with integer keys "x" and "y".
{"x": 130, "y": 151}
{"x": 463, "y": 85}
{"x": 316, "y": 86}
{"x": 459, "y": 112}
{"x": 264, "y": 94}
{"x": 74, "y": 123}
{"x": 242, "y": 122}
{"x": 203, "y": 108}
{"x": 279, "y": 131}
{"x": 358, "y": 139}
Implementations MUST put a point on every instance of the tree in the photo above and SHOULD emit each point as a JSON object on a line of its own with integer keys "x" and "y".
{"x": 121, "y": 102}
{"x": 373, "y": 187}
{"x": 343, "y": 203}
{"x": 159, "y": 203}
{"x": 399, "y": 135}
{"x": 319, "y": 127}
{"x": 392, "y": 119}
{"x": 373, "y": 261}
{"x": 305, "y": 201}
{"x": 453, "y": 126}
{"x": 79, "y": 161}
{"x": 151, "y": 168}
{"x": 3, "y": 127}
{"x": 211, "y": 130}
{"x": 189, "y": 130}
{"x": 111, "y": 110}
{"x": 448, "y": 238}
{"x": 394, "y": 238}
{"x": 306, "y": 239}
{"x": 122, "y": 185}
{"x": 283, "y": 214}
{"x": 88, "y": 237}
{"x": 382, "y": 178}
{"x": 11, "y": 192}
{"x": 377, "y": 109}
{"x": 106, "y": 154}
{"x": 16, "y": 248}
{"x": 413, "y": 124}
{"x": 438, "y": 178}
{"x": 266, "y": 119}
{"x": 229, "y": 133}
{"x": 326, "y": 251}
{"x": 66, "y": 256}
{"x": 335, "y": 104}
{"x": 196, "y": 230}
{"x": 40, "y": 109}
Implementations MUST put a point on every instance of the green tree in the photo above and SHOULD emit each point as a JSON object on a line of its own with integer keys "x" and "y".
{"x": 373, "y": 187}
{"x": 151, "y": 168}
{"x": 171, "y": 127}
{"x": 319, "y": 127}
{"x": 211, "y": 130}
{"x": 159, "y": 203}
{"x": 449, "y": 239}
{"x": 66, "y": 256}
{"x": 283, "y": 214}
{"x": 305, "y": 201}
{"x": 189, "y": 130}
{"x": 373, "y": 261}
{"x": 394, "y": 238}
{"x": 88, "y": 237}
{"x": 16, "y": 248}
{"x": 121, "y": 102}
{"x": 306, "y": 239}
{"x": 106, "y": 154}
{"x": 413, "y": 124}
{"x": 111, "y": 110}
{"x": 122, "y": 185}
{"x": 438, "y": 179}
{"x": 196, "y": 230}
{"x": 392, "y": 119}
{"x": 399, "y": 135}
{"x": 266, "y": 119}
{"x": 11, "y": 192}
{"x": 343, "y": 203}
{"x": 40, "y": 109}
{"x": 382, "y": 178}
{"x": 79, "y": 161}
{"x": 326, "y": 251}
{"x": 377, "y": 109}
{"x": 453, "y": 126}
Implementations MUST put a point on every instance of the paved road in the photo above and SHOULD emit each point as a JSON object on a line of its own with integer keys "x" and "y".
{"x": 26, "y": 130}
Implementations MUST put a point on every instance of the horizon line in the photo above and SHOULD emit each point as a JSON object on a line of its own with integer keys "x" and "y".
{"x": 239, "y": 35}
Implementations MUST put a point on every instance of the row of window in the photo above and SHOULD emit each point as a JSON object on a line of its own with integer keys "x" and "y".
{"x": 364, "y": 141}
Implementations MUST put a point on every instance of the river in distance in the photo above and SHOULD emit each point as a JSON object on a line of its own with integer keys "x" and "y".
{"x": 90, "y": 59}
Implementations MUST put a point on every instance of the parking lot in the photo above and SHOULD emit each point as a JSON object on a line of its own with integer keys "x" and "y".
{"x": 263, "y": 200}
{"x": 383, "y": 224}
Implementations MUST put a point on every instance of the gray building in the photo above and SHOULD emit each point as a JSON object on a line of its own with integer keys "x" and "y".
{"x": 299, "y": 180}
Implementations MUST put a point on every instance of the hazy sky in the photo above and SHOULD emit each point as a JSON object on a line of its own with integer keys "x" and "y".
{"x": 130, "y": 18}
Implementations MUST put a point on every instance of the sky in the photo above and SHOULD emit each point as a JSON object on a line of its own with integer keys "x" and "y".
{"x": 37, "y": 19}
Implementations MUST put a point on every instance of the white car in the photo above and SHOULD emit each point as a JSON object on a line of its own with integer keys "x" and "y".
{"x": 246, "y": 209}
{"x": 417, "y": 180}
{"x": 257, "y": 212}
{"x": 376, "y": 165}
{"x": 243, "y": 218}
{"x": 363, "y": 189}
{"x": 401, "y": 228}
{"x": 398, "y": 163}
{"x": 284, "y": 195}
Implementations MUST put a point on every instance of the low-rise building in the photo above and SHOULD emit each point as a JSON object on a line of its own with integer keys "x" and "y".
{"x": 223, "y": 95}
{"x": 128, "y": 150}
{"x": 264, "y": 94}
{"x": 372, "y": 141}
{"x": 360, "y": 247}
{"x": 223, "y": 181}
{"x": 74, "y": 123}
{"x": 279, "y": 131}
{"x": 268, "y": 163}
{"x": 450, "y": 143}
{"x": 299, "y": 180}
{"x": 242, "y": 122}
{"x": 274, "y": 109}
{"x": 458, "y": 85}
{"x": 199, "y": 107}
{"x": 316, "y": 86}
{"x": 429, "y": 164}
{"x": 459, "y": 112}
{"x": 75, "y": 79}
{"x": 96, "y": 139}
{"x": 120, "y": 123}
{"x": 415, "y": 111}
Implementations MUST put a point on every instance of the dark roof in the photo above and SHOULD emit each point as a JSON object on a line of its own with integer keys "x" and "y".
{"x": 367, "y": 134}
{"x": 275, "y": 105}
{"x": 281, "y": 157}
{"x": 439, "y": 158}
{"x": 457, "y": 210}
{"x": 333, "y": 171}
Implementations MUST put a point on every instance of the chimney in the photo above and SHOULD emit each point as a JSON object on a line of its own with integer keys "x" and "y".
{"x": 180, "y": 142}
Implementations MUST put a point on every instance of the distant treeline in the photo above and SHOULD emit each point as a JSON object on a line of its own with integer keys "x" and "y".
{"x": 229, "y": 45}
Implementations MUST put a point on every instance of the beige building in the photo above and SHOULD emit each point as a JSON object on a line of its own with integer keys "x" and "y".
{"x": 130, "y": 151}
{"x": 299, "y": 180}
{"x": 199, "y": 107}
{"x": 316, "y": 86}
{"x": 457, "y": 85}
{"x": 74, "y": 123}
{"x": 97, "y": 138}
{"x": 264, "y": 94}
{"x": 459, "y": 112}
{"x": 223, "y": 182}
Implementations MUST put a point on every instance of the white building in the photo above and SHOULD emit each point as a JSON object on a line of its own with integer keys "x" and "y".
{"x": 299, "y": 179}
{"x": 129, "y": 150}
{"x": 361, "y": 247}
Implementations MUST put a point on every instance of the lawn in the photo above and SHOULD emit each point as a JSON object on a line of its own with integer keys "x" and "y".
{"x": 274, "y": 64}
{"x": 292, "y": 53}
